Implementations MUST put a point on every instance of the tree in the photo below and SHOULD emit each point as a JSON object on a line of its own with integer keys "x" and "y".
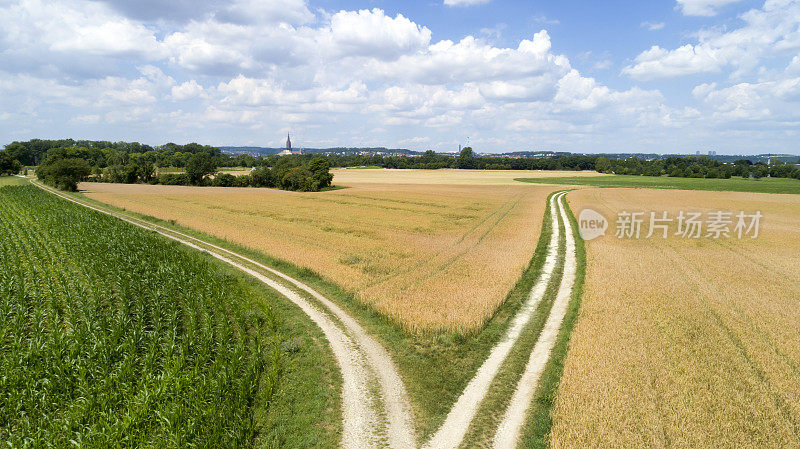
{"x": 263, "y": 177}
{"x": 466, "y": 159}
{"x": 428, "y": 157}
{"x": 320, "y": 174}
{"x": 62, "y": 173}
{"x": 199, "y": 166}
{"x": 8, "y": 164}
{"x": 603, "y": 165}
{"x": 20, "y": 152}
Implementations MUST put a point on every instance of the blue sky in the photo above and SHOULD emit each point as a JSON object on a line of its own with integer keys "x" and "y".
{"x": 674, "y": 76}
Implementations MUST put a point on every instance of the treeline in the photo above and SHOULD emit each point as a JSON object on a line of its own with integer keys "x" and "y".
{"x": 104, "y": 153}
{"x": 696, "y": 167}
{"x": 61, "y": 161}
{"x": 465, "y": 160}
{"x": 65, "y": 163}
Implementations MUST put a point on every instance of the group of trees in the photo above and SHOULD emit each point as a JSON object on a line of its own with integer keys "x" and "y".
{"x": 466, "y": 160}
{"x": 65, "y": 163}
{"x": 63, "y": 172}
{"x": 288, "y": 173}
{"x": 695, "y": 167}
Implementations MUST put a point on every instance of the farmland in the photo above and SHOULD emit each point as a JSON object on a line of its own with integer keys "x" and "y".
{"x": 440, "y": 258}
{"x": 350, "y": 176}
{"x": 735, "y": 184}
{"x": 124, "y": 338}
{"x": 684, "y": 342}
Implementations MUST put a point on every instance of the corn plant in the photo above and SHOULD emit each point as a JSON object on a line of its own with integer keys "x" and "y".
{"x": 111, "y": 336}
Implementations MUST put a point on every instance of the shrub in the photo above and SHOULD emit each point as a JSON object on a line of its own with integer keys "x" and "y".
{"x": 263, "y": 177}
{"x": 64, "y": 174}
{"x": 174, "y": 179}
{"x": 224, "y": 180}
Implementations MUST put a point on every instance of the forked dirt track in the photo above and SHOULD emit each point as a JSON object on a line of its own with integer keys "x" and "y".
{"x": 376, "y": 411}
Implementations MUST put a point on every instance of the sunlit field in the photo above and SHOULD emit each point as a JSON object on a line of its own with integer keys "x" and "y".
{"x": 423, "y": 247}
{"x": 348, "y": 176}
{"x": 684, "y": 342}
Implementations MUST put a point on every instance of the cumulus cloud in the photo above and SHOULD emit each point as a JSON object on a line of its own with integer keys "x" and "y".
{"x": 767, "y": 32}
{"x": 374, "y": 34}
{"x": 187, "y": 90}
{"x": 703, "y": 7}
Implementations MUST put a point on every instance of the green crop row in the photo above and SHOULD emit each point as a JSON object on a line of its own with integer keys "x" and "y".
{"x": 111, "y": 336}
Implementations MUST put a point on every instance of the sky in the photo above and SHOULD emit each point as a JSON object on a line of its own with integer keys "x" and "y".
{"x": 670, "y": 76}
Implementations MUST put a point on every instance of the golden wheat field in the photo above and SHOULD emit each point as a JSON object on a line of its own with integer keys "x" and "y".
{"x": 433, "y": 254}
{"x": 686, "y": 343}
{"x": 349, "y": 176}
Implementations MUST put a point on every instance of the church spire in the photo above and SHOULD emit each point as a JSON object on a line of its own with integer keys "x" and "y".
{"x": 288, "y": 143}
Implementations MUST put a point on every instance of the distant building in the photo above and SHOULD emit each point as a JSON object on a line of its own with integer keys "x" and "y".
{"x": 288, "y": 151}
{"x": 712, "y": 153}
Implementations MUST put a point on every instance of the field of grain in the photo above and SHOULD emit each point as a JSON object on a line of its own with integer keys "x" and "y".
{"x": 110, "y": 336}
{"x": 351, "y": 176}
{"x": 683, "y": 342}
{"x": 433, "y": 254}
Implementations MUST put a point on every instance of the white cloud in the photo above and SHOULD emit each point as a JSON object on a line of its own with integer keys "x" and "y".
{"x": 266, "y": 12}
{"x": 187, "y": 90}
{"x": 77, "y": 38}
{"x": 653, "y": 26}
{"x": 465, "y": 2}
{"x": 767, "y": 32}
{"x": 703, "y": 7}
{"x": 374, "y": 34}
{"x": 545, "y": 20}
{"x": 661, "y": 63}
{"x": 472, "y": 60}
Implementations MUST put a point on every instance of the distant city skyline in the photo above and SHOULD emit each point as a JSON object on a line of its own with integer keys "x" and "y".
{"x": 672, "y": 76}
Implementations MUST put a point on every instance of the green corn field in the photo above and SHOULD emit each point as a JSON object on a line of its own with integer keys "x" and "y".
{"x": 112, "y": 336}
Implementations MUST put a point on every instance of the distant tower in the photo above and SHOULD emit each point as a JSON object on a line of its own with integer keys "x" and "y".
{"x": 288, "y": 143}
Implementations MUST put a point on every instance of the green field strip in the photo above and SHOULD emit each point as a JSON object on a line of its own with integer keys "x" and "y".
{"x": 763, "y": 185}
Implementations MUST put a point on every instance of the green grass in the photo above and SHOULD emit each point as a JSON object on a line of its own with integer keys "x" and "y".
{"x": 736, "y": 184}
{"x": 536, "y": 432}
{"x": 114, "y": 336}
{"x": 12, "y": 181}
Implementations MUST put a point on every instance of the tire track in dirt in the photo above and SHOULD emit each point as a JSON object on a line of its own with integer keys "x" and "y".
{"x": 510, "y": 427}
